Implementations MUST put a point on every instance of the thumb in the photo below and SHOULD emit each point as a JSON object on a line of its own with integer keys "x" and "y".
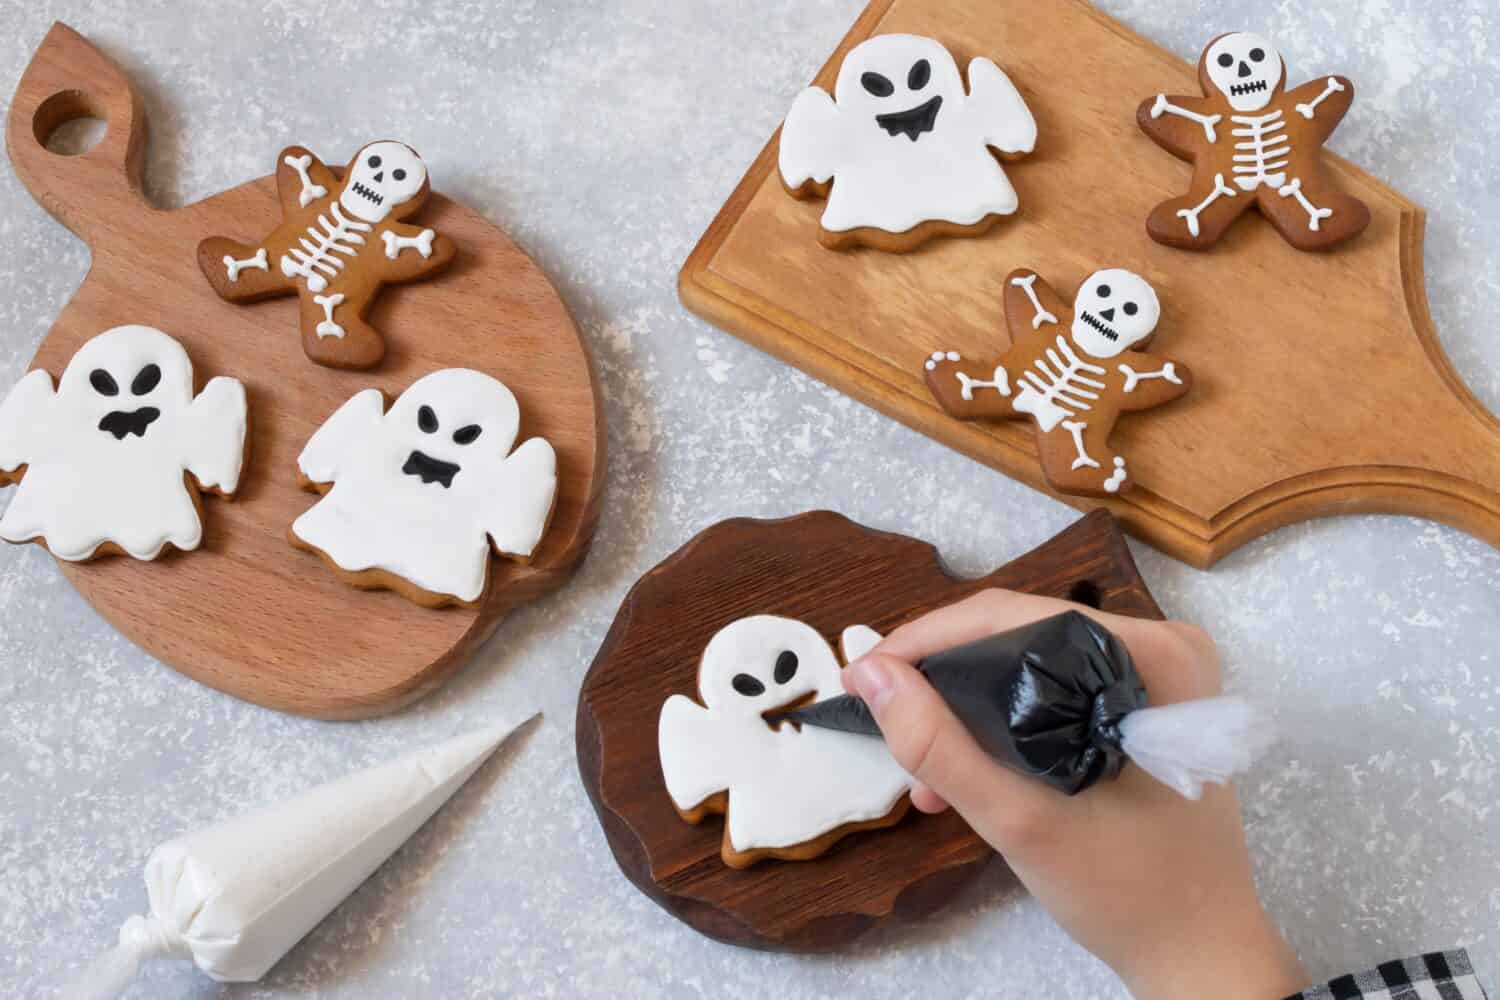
{"x": 931, "y": 745}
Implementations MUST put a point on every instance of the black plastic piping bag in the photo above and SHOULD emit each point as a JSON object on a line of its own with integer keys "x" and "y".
{"x": 1060, "y": 700}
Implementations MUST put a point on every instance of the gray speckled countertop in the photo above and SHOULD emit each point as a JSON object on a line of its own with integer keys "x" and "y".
{"x": 604, "y": 136}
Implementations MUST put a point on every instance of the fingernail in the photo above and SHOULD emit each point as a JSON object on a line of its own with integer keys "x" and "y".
{"x": 872, "y": 682}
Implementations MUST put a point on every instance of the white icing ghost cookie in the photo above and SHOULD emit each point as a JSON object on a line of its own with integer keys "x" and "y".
{"x": 787, "y": 792}
{"x": 421, "y": 493}
{"x": 906, "y": 150}
{"x": 114, "y": 460}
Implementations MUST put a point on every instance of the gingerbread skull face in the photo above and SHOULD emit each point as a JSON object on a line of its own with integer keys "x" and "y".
{"x": 761, "y": 663}
{"x": 384, "y": 175}
{"x": 901, "y": 82}
{"x": 1114, "y": 311}
{"x": 1246, "y": 69}
{"x": 126, "y": 379}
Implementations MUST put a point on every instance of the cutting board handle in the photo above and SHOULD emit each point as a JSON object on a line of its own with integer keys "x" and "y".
{"x": 100, "y": 190}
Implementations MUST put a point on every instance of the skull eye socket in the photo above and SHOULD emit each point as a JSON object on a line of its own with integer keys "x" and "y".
{"x": 747, "y": 685}
{"x": 374, "y": 162}
{"x": 1226, "y": 60}
{"x": 467, "y": 435}
{"x": 1105, "y": 291}
{"x": 103, "y": 382}
{"x": 399, "y": 174}
{"x": 145, "y": 380}
{"x": 786, "y": 666}
{"x": 1131, "y": 309}
{"x": 877, "y": 85}
{"x": 1257, "y": 55}
{"x": 427, "y": 420}
{"x": 921, "y": 72}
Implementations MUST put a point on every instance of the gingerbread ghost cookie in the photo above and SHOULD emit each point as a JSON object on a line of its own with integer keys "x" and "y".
{"x": 416, "y": 498}
{"x": 114, "y": 460}
{"x": 1252, "y": 143}
{"x": 786, "y": 792}
{"x": 902, "y": 149}
{"x": 339, "y": 241}
{"x": 1073, "y": 371}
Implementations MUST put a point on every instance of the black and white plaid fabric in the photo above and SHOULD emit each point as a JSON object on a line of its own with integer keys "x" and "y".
{"x": 1441, "y": 975}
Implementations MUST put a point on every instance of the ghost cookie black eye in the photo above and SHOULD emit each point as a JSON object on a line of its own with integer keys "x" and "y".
{"x": 747, "y": 685}
{"x": 467, "y": 435}
{"x": 921, "y": 72}
{"x": 374, "y": 162}
{"x": 786, "y": 666}
{"x": 1226, "y": 60}
{"x": 103, "y": 382}
{"x": 146, "y": 379}
{"x": 427, "y": 420}
{"x": 877, "y": 85}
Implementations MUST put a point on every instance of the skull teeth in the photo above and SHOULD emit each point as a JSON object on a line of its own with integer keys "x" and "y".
{"x": 365, "y": 192}
{"x": 1241, "y": 89}
{"x": 1104, "y": 329}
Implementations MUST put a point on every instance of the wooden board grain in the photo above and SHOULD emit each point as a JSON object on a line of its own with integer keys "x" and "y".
{"x": 823, "y": 569}
{"x": 1322, "y": 387}
{"x": 247, "y": 613}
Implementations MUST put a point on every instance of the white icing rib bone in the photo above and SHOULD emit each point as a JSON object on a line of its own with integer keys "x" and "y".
{"x": 316, "y": 262}
{"x": 1309, "y": 109}
{"x": 310, "y": 192}
{"x": 1315, "y": 215}
{"x": 421, "y": 243}
{"x": 1133, "y": 378}
{"x": 234, "y": 267}
{"x": 1076, "y": 428}
{"x": 1262, "y": 159}
{"x": 1221, "y": 190}
{"x": 1042, "y": 315}
{"x": 1166, "y": 107}
{"x": 1000, "y": 382}
{"x": 328, "y": 328}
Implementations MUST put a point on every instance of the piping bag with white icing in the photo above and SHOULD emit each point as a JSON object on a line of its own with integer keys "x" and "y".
{"x": 235, "y": 897}
{"x": 1060, "y": 700}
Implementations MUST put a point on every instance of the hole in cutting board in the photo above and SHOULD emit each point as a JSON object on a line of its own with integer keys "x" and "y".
{"x": 69, "y": 123}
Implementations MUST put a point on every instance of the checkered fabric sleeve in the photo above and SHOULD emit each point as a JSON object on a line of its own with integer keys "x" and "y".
{"x": 1441, "y": 975}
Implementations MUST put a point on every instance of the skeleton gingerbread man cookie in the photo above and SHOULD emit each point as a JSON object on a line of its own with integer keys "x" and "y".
{"x": 416, "y": 498}
{"x": 900, "y": 150}
{"x": 1252, "y": 143}
{"x": 114, "y": 461}
{"x": 338, "y": 243}
{"x": 1072, "y": 371}
{"x": 786, "y": 792}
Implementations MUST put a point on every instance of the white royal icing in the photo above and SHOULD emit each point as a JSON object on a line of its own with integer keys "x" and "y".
{"x": 894, "y": 162}
{"x": 381, "y": 514}
{"x": 99, "y": 467}
{"x": 786, "y": 786}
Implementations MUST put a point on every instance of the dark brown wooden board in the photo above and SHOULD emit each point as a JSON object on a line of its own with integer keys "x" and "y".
{"x": 828, "y": 571}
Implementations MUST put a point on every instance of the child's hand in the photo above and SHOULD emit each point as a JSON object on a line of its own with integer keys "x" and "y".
{"x": 1157, "y": 886}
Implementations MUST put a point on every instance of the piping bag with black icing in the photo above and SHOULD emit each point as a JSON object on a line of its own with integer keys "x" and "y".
{"x": 236, "y": 896}
{"x": 1060, "y": 700}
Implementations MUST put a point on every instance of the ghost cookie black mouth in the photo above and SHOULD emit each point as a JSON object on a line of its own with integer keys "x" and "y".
{"x": 1241, "y": 89}
{"x": 367, "y": 194}
{"x": 123, "y": 422}
{"x": 1105, "y": 330}
{"x": 429, "y": 469}
{"x": 912, "y": 123}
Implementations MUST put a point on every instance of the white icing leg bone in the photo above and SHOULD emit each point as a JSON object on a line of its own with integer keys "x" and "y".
{"x": 1308, "y": 110}
{"x": 1115, "y": 481}
{"x": 1042, "y": 315}
{"x": 1166, "y": 107}
{"x": 310, "y": 192}
{"x": 1315, "y": 215}
{"x": 938, "y": 356}
{"x": 1000, "y": 382}
{"x": 1221, "y": 190}
{"x": 394, "y": 244}
{"x": 1076, "y": 428}
{"x": 328, "y": 328}
{"x": 234, "y": 267}
{"x": 1133, "y": 377}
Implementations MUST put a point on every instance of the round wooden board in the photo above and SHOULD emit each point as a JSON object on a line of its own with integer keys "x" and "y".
{"x": 247, "y": 613}
{"x": 828, "y": 571}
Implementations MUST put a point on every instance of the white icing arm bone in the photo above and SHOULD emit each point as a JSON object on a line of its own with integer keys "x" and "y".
{"x": 339, "y": 436}
{"x": 1308, "y": 110}
{"x": 214, "y": 433}
{"x": 693, "y": 750}
{"x": 421, "y": 243}
{"x": 1166, "y": 107}
{"x": 1133, "y": 378}
{"x": 310, "y": 192}
{"x": 233, "y": 267}
{"x": 810, "y": 139}
{"x": 1042, "y": 315}
{"x": 23, "y": 419}
{"x": 1000, "y": 382}
{"x": 523, "y": 500}
{"x": 1004, "y": 119}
